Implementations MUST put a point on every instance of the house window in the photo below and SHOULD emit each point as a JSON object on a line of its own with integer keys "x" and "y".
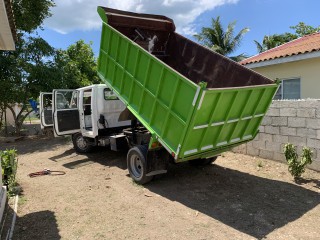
{"x": 289, "y": 89}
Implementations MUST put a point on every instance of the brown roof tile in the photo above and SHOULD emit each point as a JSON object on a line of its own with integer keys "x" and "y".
{"x": 305, "y": 44}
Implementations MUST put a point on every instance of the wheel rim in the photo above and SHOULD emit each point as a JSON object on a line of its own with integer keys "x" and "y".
{"x": 81, "y": 143}
{"x": 136, "y": 166}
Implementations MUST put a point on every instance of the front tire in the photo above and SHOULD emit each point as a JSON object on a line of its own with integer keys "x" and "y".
{"x": 202, "y": 161}
{"x": 136, "y": 162}
{"x": 81, "y": 144}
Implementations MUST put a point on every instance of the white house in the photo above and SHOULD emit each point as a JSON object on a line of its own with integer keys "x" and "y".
{"x": 296, "y": 63}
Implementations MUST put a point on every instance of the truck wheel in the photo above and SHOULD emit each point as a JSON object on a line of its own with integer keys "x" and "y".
{"x": 136, "y": 162}
{"x": 81, "y": 144}
{"x": 202, "y": 161}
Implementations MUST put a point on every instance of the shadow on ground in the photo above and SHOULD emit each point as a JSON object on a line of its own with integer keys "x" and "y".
{"x": 33, "y": 144}
{"x": 100, "y": 155}
{"x": 253, "y": 205}
{"x": 39, "y": 225}
{"x": 302, "y": 181}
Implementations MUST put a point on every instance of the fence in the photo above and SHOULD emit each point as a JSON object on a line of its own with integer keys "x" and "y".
{"x": 297, "y": 122}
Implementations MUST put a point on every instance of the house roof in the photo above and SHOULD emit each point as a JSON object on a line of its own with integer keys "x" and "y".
{"x": 7, "y": 27}
{"x": 306, "y": 44}
{"x": 11, "y": 18}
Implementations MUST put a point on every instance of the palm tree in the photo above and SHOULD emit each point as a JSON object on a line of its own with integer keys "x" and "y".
{"x": 220, "y": 40}
{"x": 275, "y": 40}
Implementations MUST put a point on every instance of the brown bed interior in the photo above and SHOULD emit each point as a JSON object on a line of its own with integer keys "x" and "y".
{"x": 195, "y": 62}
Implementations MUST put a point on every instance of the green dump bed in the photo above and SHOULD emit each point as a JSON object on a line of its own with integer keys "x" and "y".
{"x": 195, "y": 102}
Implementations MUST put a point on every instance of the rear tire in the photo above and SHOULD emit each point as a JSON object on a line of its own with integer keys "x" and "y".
{"x": 202, "y": 161}
{"x": 136, "y": 162}
{"x": 81, "y": 144}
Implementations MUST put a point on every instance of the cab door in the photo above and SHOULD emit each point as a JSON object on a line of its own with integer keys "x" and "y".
{"x": 65, "y": 112}
{"x": 46, "y": 109}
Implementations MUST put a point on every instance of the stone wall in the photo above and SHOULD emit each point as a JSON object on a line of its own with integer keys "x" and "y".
{"x": 296, "y": 122}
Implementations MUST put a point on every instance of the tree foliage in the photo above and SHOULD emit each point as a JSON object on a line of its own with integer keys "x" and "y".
{"x": 35, "y": 66}
{"x": 222, "y": 41}
{"x": 301, "y": 29}
{"x": 76, "y": 66}
{"x": 23, "y": 71}
{"x": 26, "y": 72}
{"x": 274, "y": 40}
{"x": 30, "y": 14}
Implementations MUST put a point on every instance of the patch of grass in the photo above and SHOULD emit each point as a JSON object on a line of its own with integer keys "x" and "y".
{"x": 68, "y": 138}
{"x": 22, "y": 200}
{"x": 136, "y": 184}
{"x": 31, "y": 118}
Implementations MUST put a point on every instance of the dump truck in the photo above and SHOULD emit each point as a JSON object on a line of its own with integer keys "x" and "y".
{"x": 194, "y": 102}
{"x": 184, "y": 102}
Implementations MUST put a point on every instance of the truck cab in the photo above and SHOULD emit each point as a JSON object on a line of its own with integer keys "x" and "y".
{"x": 90, "y": 114}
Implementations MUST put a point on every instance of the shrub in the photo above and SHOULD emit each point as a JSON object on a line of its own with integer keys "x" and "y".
{"x": 297, "y": 167}
{"x": 9, "y": 164}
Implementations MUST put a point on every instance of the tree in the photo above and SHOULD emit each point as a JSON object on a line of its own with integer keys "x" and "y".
{"x": 222, "y": 41}
{"x": 275, "y": 40}
{"x": 24, "y": 71}
{"x": 272, "y": 41}
{"x": 30, "y": 14}
{"x": 35, "y": 66}
{"x": 30, "y": 67}
{"x": 76, "y": 66}
{"x": 301, "y": 29}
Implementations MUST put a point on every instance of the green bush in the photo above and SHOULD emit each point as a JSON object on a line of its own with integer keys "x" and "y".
{"x": 9, "y": 165}
{"x": 297, "y": 167}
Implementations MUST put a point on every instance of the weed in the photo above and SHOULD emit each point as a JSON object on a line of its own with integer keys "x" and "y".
{"x": 260, "y": 165}
{"x": 9, "y": 164}
{"x": 297, "y": 167}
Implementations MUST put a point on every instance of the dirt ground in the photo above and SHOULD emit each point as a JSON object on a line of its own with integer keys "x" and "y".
{"x": 238, "y": 197}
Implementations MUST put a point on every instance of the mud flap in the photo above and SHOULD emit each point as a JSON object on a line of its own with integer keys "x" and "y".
{"x": 157, "y": 162}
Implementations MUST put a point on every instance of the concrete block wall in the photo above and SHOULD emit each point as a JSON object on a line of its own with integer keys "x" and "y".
{"x": 296, "y": 122}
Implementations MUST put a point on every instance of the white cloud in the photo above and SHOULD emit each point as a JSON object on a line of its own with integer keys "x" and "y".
{"x": 70, "y": 15}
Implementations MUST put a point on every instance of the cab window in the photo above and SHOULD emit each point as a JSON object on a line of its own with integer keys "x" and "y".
{"x": 109, "y": 95}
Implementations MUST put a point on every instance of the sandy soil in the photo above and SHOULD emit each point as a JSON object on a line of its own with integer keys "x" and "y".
{"x": 238, "y": 197}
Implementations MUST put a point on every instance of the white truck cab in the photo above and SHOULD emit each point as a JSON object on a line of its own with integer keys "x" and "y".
{"x": 90, "y": 114}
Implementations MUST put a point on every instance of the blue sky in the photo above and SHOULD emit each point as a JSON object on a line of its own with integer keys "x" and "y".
{"x": 77, "y": 19}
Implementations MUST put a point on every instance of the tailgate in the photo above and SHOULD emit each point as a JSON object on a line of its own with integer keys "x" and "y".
{"x": 225, "y": 117}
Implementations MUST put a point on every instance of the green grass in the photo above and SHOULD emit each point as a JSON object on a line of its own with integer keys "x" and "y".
{"x": 22, "y": 200}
